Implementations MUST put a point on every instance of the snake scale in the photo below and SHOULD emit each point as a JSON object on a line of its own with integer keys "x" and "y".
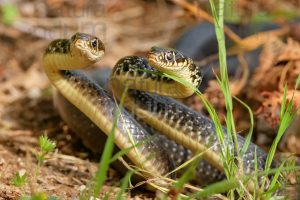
{"x": 192, "y": 131}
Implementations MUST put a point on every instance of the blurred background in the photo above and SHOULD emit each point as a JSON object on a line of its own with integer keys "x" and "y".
{"x": 130, "y": 28}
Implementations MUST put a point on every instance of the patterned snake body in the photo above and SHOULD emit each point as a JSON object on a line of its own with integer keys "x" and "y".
{"x": 186, "y": 127}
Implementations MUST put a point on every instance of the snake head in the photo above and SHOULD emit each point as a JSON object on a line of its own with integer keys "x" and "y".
{"x": 87, "y": 46}
{"x": 170, "y": 61}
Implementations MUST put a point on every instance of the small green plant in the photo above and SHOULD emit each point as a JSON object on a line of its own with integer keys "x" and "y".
{"x": 46, "y": 146}
{"x": 19, "y": 179}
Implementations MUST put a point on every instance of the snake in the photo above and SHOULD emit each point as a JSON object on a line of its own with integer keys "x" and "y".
{"x": 150, "y": 97}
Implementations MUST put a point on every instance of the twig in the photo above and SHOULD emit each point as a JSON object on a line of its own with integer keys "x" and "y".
{"x": 256, "y": 40}
{"x": 283, "y": 75}
{"x": 238, "y": 85}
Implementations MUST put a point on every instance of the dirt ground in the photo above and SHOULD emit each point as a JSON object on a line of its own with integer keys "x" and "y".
{"x": 26, "y": 107}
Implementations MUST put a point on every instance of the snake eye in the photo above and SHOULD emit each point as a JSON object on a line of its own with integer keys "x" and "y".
{"x": 94, "y": 43}
{"x": 169, "y": 56}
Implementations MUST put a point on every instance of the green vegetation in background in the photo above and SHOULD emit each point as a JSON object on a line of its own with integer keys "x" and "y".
{"x": 9, "y": 13}
{"x": 232, "y": 14}
{"x": 38, "y": 196}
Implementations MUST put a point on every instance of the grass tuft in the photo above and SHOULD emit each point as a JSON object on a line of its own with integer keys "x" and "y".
{"x": 237, "y": 180}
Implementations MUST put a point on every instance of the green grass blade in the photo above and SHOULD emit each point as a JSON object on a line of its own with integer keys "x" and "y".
{"x": 227, "y": 154}
{"x": 297, "y": 82}
{"x": 255, "y": 180}
{"x": 188, "y": 162}
{"x": 283, "y": 105}
{"x": 106, "y": 196}
{"x": 125, "y": 151}
{"x": 124, "y": 185}
{"x": 272, "y": 187}
{"x": 287, "y": 115}
{"x": 217, "y": 188}
{"x": 105, "y": 161}
{"x": 101, "y": 173}
{"x": 188, "y": 175}
{"x": 249, "y": 135}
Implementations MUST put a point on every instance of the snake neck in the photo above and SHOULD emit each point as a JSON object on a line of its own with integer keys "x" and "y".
{"x": 59, "y": 46}
{"x": 53, "y": 62}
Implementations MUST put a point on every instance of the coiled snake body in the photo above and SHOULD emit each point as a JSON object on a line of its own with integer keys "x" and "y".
{"x": 184, "y": 126}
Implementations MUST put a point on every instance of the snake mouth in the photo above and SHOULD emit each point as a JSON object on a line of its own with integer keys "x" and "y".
{"x": 152, "y": 59}
{"x": 94, "y": 57}
{"x": 156, "y": 58}
{"x": 84, "y": 50}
